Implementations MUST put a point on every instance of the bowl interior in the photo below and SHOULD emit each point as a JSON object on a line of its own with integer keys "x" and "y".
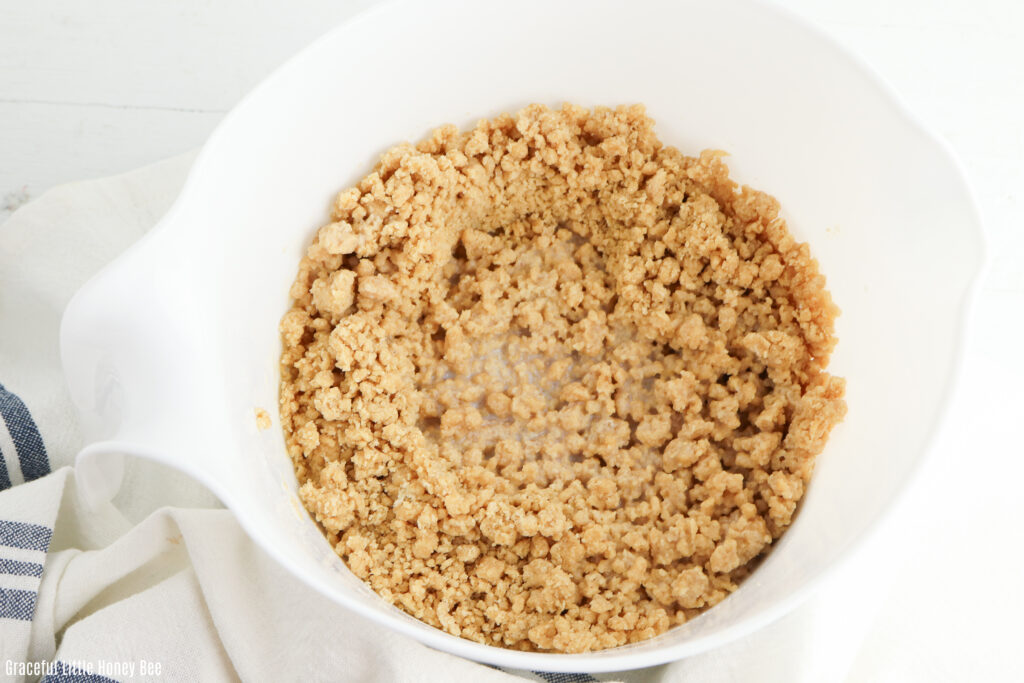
{"x": 882, "y": 205}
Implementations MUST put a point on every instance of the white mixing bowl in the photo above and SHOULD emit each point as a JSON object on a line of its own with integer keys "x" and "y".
{"x": 171, "y": 348}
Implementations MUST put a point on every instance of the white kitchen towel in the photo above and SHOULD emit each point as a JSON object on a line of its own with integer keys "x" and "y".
{"x": 161, "y": 583}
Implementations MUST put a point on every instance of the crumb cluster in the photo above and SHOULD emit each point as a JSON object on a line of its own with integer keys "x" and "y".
{"x": 551, "y": 385}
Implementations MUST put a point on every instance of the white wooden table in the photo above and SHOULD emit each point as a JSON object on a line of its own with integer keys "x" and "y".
{"x": 96, "y": 88}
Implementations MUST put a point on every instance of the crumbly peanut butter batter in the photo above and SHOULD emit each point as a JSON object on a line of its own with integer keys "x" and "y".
{"x": 550, "y": 385}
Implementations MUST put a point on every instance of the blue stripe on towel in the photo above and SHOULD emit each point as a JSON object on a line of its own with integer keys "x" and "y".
{"x": 17, "y": 604}
{"x": 5, "y": 477}
{"x": 65, "y": 673}
{"x": 27, "y": 441}
{"x": 565, "y": 678}
{"x": 25, "y": 535}
{"x": 20, "y": 568}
